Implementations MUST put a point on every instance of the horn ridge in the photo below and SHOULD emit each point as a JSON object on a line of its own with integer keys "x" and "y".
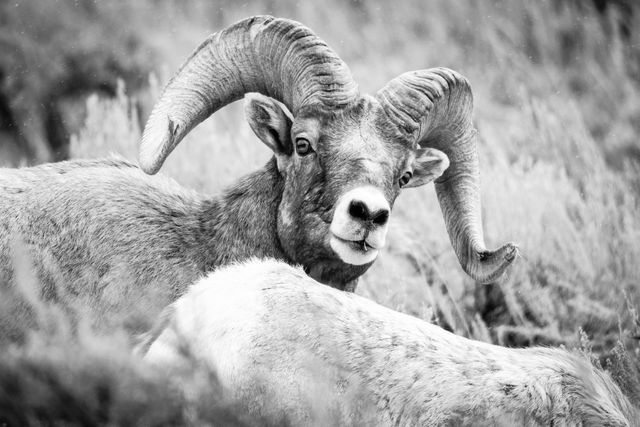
{"x": 433, "y": 108}
{"x": 277, "y": 57}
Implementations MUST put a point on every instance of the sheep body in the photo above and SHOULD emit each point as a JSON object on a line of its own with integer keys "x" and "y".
{"x": 291, "y": 350}
{"x": 125, "y": 241}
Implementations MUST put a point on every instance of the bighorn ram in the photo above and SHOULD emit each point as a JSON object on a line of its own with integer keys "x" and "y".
{"x": 291, "y": 351}
{"x": 323, "y": 201}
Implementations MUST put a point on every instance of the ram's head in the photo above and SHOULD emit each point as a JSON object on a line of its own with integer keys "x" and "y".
{"x": 343, "y": 157}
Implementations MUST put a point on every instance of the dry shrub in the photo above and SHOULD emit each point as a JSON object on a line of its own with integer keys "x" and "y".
{"x": 62, "y": 371}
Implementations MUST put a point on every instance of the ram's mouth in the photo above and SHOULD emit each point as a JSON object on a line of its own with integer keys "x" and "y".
{"x": 355, "y": 252}
{"x": 361, "y": 245}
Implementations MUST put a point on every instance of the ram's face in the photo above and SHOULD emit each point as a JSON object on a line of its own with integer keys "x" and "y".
{"x": 342, "y": 173}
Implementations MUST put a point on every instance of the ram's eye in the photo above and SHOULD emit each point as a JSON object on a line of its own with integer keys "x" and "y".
{"x": 303, "y": 147}
{"x": 405, "y": 178}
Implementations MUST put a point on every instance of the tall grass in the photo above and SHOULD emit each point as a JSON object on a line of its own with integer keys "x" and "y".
{"x": 557, "y": 106}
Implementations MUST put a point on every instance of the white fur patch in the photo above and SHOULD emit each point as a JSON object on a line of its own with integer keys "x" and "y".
{"x": 349, "y": 254}
{"x": 347, "y": 231}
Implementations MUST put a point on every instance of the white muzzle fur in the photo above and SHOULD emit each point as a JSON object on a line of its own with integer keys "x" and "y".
{"x": 358, "y": 238}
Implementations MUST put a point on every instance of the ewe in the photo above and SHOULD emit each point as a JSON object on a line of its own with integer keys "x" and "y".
{"x": 289, "y": 350}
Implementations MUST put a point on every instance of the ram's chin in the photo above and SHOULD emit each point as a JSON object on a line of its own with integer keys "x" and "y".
{"x": 353, "y": 253}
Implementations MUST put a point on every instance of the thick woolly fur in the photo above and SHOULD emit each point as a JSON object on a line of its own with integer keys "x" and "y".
{"x": 291, "y": 350}
{"x": 125, "y": 242}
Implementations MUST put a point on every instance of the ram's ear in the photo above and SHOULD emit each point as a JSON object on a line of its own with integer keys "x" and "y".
{"x": 271, "y": 122}
{"x": 428, "y": 165}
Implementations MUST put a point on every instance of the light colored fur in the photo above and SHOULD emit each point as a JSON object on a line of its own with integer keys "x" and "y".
{"x": 293, "y": 351}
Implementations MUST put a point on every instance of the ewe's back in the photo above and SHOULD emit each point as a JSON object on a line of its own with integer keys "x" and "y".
{"x": 291, "y": 349}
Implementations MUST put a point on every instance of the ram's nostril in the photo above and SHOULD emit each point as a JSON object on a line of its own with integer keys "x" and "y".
{"x": 359, "y": 210}
{"x": 381, "y": 217}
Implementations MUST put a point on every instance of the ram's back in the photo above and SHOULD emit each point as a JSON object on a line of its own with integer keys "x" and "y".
{"x": 92, "y": 228}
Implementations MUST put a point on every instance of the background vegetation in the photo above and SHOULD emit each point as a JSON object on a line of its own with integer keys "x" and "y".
{"x": 557, "y": 106}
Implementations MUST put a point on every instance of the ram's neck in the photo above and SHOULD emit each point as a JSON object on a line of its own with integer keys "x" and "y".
{"x": 242, "y": 222}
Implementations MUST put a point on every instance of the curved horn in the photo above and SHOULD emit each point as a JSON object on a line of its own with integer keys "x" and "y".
{"x": 434, "y": 109}
{"x": 279, "y": 58}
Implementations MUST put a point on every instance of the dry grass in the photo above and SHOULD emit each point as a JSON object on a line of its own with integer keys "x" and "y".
{"x": 557, "y": 90}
